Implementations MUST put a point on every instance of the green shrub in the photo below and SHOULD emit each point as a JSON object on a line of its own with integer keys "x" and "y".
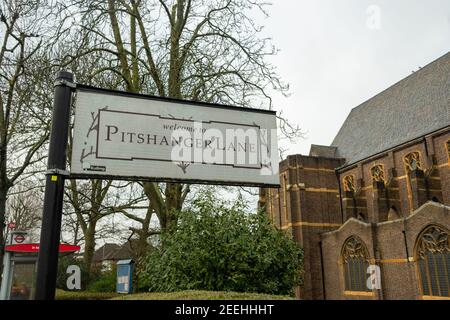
{"x": 218, "y": 248}
{"x": 105, "y": 283}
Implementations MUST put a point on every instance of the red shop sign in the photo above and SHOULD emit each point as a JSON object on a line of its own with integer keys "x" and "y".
{"x": 34, "y": 247}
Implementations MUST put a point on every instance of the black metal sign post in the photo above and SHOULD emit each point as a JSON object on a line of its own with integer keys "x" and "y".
{"x": 54, "y": 188}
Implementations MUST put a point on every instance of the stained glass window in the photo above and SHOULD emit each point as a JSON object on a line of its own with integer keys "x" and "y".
{"x": 355, "y": 259}
{"x": 377, "y": 173}
{"x": 433, "y": 260}
{"x": 349, "y": 183}
{"x": 412, "y": 161}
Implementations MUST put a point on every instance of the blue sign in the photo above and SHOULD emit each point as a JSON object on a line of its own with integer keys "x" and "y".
{"x": 125, "y": 276}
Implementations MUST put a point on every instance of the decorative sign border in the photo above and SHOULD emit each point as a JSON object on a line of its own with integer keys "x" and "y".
{"x": 96, "y": 170}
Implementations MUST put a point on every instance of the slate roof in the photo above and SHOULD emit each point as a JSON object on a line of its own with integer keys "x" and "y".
{"x": 124, "y": 252}
{"x": 114, "y": 252}
{"x": 105, "y": 252}
{"x": 411, "y": 108}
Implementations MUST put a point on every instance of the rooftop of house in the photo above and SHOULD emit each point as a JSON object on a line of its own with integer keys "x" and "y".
{"x": 105, "y": 252}
{"x": 115, "y": 252}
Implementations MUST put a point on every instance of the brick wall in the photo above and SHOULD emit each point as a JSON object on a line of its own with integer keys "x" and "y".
{"x": 306, "y": 205}
{"x": 406, "y": 191}
{"x": 394, "y": 252}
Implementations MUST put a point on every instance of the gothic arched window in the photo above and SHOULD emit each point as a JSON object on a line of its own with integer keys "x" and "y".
{"x": 349, "y": 183}
{"x": 412, "y": 161}
{"x": 377, "y": 173}
{"x": 433, "y": 261}
{"x": 448, "y": 149}
{"x": 355, "y": 261}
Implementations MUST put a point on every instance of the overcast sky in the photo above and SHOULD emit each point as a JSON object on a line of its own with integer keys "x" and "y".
{"x": 338, "y": 54}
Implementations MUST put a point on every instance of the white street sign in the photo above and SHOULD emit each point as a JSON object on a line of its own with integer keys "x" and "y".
{"x": 123, "y": 136}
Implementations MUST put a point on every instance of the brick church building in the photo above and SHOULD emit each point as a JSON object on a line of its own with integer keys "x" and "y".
{"x": 379, "y": 196}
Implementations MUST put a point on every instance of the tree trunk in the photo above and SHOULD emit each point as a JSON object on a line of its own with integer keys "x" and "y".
{"x": 89, "y": 246}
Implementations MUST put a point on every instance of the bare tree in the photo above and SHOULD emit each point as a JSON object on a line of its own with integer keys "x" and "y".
{"x": 24, "y": 125}
{"x": 199, "y": 50}
{"x": 24, "y": 209}
{"x": 94, "y": 200}
{"x": 142, "y": 233}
